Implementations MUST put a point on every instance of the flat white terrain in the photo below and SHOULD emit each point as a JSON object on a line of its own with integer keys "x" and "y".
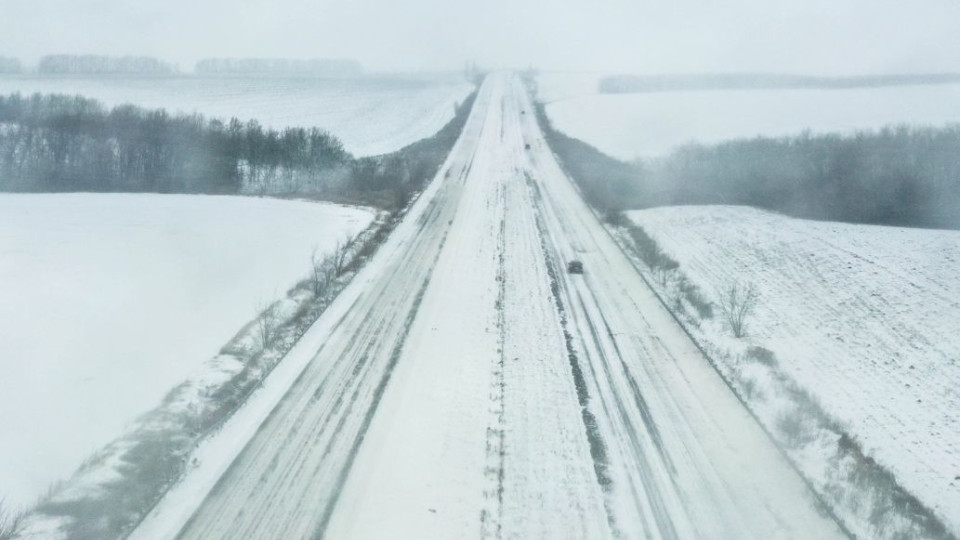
{"x": 371, "y": 115}
{"x": 464, "y": 385}
{"x": 865, "y": 318}
{"x": 649, "y": 125}
{"x": 108, "y": 301}
{"x": 560, "y": 85}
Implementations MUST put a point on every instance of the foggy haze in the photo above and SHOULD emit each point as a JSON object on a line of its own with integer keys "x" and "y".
{"x": 817, "y": 37}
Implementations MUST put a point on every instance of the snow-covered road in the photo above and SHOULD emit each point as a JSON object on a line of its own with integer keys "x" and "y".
{"x": 464, "y": 385}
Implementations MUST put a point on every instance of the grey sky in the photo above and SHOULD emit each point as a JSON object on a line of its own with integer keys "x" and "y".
{"x": 800, "y": 36}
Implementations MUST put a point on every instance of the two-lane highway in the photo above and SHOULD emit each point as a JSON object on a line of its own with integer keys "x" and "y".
{"x": 465, "y": 386}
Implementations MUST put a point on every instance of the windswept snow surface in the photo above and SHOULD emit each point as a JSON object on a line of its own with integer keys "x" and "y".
{"x": 108, "y": 301}
{"x": 371, "y": 115}
{"x": 463, "y": 385}
{"x": 866, "y": 318}
{"x": 650, "y": 125}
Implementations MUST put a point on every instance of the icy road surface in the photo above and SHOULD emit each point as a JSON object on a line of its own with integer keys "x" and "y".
{"x": 465, "y": 386}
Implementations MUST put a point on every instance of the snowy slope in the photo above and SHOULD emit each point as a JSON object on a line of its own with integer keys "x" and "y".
{"x": 649, "y": 125}
{"x": 865, "y": 318}
{"x": 371, "y": 115}
{"x": 108, "y": 301}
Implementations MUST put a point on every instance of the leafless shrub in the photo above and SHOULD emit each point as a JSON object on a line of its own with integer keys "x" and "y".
{"x": 750, "y": 389}
{"x": 617, "y": 218}
{"x": 267, "y": 324}
{"x": 665, "y": 270}
{"x": 892, "y": 511}
{"x": 677, "y": 301}
{"x": 762, "y": 356}
{"x": 322, "y": 274}
{"x": 648, "y": 249}
{"x": 10, "y": 521}
{"x": 193, "y": 418}
{"x": 340, "y": 257}
{"x": 316, "y": 273}
{"x": 696, "y": 299}
{"x": 737, "y": 303}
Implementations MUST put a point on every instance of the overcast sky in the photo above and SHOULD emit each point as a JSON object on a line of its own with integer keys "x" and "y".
{"x": 644, "y": 36}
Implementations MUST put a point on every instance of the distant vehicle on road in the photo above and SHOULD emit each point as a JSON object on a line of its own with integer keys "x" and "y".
{"x": 574, "y": 267}
{"x": 527, "y": 146}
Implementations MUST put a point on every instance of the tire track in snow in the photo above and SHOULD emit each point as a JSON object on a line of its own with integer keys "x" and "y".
{"x": 491, "y": 517}
{"x": 371, "y": 410}
{"x": 598, "y": 448}
{"x": 652, "y": 487}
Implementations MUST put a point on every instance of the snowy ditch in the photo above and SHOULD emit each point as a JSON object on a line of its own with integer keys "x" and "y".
{"x": 862, "y": 493}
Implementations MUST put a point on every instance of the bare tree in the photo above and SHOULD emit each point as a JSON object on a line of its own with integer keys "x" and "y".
{"x": 318, "y": 273}
{"x": 340, "y": 256}
{"x": 267, "y": 325}
{"x": 737, "y": 303}
{"x": 666, "y": 270}
{"x": 324, "y": 269}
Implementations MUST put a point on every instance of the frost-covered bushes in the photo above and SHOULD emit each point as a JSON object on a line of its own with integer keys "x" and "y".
{"x": 322, "y": 274}
{"x": 666, "y": 271}
{"x": 863, "y": 494}
{"x": 651, "y": 254}
{"x": 761, "y": 355}
{"x": 794, "y": 428}
{"x": 9, "y": 521}
{"x": 695, "y": 297}
{"x": 267, "y": 324}
{"x": 617, "y": 218}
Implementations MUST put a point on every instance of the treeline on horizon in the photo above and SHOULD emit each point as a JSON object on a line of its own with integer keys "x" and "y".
{"x": 315, "y": 66}
{"x": 63, "y": 64}
{"x": 56, "y": 143}
{"x": 894, "y": 176}
{"x": 10, "y": 65}
{"x": 625, "y": 84}
{"x": 73, "y": 64}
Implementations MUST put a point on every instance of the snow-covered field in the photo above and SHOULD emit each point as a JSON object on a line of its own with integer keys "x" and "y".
{"x": 559, "y": 85}
{"x": 649, "y": 125}
{"x": 865, "y": 318}
{"x": 108, "y": 301}
{"x": 371, "y": 115}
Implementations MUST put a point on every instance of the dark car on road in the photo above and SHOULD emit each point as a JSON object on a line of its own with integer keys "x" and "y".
{"x": 574, "y": 267}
